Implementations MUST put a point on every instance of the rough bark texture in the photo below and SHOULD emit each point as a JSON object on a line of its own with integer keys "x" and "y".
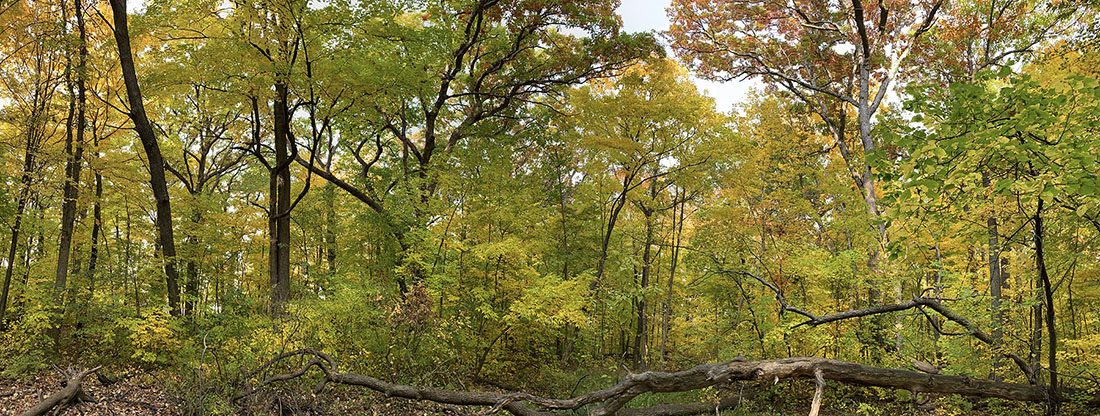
{"x": 144, "y": 129}
{"x": 611, "y": 400}
{"x": 279, "y": 210}
{"x": 70, "y": 393}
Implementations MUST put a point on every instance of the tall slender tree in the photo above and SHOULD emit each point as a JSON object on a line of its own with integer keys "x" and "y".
{"x": 157, "y": 180}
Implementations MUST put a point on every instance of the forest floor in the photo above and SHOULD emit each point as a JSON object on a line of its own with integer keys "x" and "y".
{"x": 149, "y": 397}
{"x": 124, "y": 397}
{"x": 133, "y": 398}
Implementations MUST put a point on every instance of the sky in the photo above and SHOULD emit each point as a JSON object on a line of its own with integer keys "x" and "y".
{"x": 650, "y": 15}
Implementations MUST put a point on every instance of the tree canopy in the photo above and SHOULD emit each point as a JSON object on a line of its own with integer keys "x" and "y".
{"x": 515, "y": 205}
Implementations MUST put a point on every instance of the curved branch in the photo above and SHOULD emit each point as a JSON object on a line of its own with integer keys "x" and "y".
{"x": 918, "y": 302}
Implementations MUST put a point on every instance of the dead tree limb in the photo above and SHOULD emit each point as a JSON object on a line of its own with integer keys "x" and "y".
{"x": 819, "y": 392}
{"x": 611, "y": 400}
{"x": 919, "y": 302}
{"x": 67, "y": 395}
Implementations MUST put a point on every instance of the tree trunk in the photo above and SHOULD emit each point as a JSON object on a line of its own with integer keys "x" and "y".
{"x": 33, "y": 137}
{"x": 20, "y": 208}
{"x": 329, "y": 196}
{"x": 641, "y": 342}
{"x": 678, "y": 230}
{"x": 995, "y": 279}
{"x": 74, "y": 150}
{"x": 97, "y": 226}
{"x": 152, "y": 151}
{"x": 640, "y": 335}
{"x": 1048, "y": 292}
{"x": 279, "y": 221}
{"x": 613, "y": 217}
{"x": 191, "y": 285}
{"x": 97, "y": 217}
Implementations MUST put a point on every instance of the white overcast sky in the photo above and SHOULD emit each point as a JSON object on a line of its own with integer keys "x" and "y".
{"x": 645, "y": 16}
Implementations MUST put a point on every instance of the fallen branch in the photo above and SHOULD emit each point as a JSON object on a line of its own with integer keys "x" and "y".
{"x": 611, "y": 400}
{"x": 919, "y": 303}
{"x": 67, "y": 395}
{"x": 819, "y": 392}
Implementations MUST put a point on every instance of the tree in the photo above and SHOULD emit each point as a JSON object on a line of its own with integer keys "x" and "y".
{"x": 157, "y": 180}
{"x": 645, "y": 127}
{"x": 1039, "y": 133}
{"x": 74, "y": 151}
{"x": 829, "y": 55}
{"x": 206, "y": 163}
{"x": 502, "y": 56}
{"x": 32, "y": 82}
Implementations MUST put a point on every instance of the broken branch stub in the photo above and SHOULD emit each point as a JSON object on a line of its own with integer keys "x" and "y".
{"x": 72, "y": 392}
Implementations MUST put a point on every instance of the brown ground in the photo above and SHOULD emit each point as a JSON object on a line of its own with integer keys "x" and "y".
{"x": 121, "y": 398}
{"x": 132, "y": 398}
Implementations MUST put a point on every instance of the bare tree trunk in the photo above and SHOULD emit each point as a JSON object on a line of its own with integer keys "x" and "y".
{"x": 191, "y": 285}
{"x": 329, "y": 196}
{"x": 97, "y": 217}
{"x": 613, "y": 217}
{"x": 279, "y": 226}
{"x": 33, "y": 136}
{"x": 678, "y": 230}
{"x": 1048, "y": 292}
{"x": 74, "y": 150}
{"x": 97, "y": 226}
{"x": 152, "y": 151}
{"x": 193, "y": 240}
{"x": 20, "y": 208}
{"x": 640, "y": 335}
{"x": 995, "y": 278}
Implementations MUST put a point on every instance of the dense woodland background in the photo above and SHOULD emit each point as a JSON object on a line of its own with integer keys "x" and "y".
{"x": 515, "y": 195}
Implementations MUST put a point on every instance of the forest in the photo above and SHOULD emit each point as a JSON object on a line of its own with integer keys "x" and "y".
{"x": 477, "y": 207}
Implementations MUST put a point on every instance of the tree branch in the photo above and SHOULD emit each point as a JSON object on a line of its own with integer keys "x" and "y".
{"x": 611, "y": 400}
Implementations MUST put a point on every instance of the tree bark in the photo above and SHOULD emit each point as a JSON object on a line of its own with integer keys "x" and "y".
{"x": 329, "y": 196}
{"x": 97, "y": 222}
{"x": 1048, "y": 293}
{"x": 678, "y": 230}
{"x": 149, "y": 143}
{"x": 641, "y": 342}
{"x": 279, "y": 211}
{"x": 191, "y": 286}
{"x": 995, "y": 278}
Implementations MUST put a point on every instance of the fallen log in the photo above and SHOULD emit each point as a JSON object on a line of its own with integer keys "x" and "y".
{"x": 611, "y": 400}
{"x": 72, "y": 392}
